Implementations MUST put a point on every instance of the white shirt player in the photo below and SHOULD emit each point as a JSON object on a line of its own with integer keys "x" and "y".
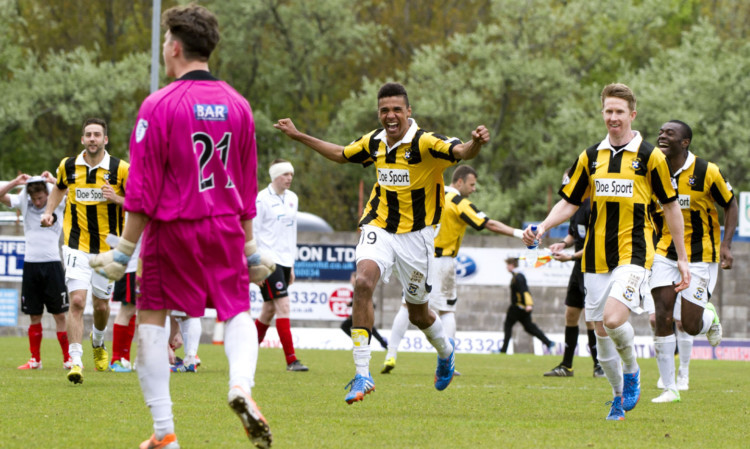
{"x": 42, "y": 244}
{"x": 275, "y": 225}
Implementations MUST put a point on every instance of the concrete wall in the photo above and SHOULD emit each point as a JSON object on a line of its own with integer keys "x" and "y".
{"x": 483, "y": 308}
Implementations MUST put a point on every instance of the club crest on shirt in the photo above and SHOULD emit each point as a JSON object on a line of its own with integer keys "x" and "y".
{"x": 636, "y": 164}
{"x": 407, "y": 154}
{"x": 691, "y": 180}
{"x": 106, "y": 176}
{"x": 140, "y": 130}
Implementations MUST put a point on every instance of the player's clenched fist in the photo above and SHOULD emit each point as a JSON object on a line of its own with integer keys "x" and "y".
{"x": 112, "y": 264}
{"x": 259, "y": 265}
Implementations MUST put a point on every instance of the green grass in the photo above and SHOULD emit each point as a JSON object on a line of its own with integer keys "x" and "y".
{"x": 499, "y": 402}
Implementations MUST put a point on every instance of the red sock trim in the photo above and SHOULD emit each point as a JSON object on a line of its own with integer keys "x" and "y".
{"x": 285, "y": 335}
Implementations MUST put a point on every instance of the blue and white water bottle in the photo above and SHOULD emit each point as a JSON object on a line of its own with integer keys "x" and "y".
{"x": 532, "y": 251}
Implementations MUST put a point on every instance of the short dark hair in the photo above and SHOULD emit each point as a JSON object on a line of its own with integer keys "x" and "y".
{"x": 195, "y": 27}
{"x": 687, "y": 132}
{"x": 512, "y": 260}
{"x": 462, "y": 172}
{"x": 94, "y": 121}
{"x": 278, "y": 160}
{"x": 36, "y": 187}
{"x": 393, "y": 90}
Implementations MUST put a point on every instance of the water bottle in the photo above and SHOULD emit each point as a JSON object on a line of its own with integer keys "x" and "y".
{"x": 532, "y": 253}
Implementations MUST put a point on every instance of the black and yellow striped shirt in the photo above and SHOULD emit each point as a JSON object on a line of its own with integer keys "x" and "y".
{"x": 621, "y": 184}
{"x": 519, "y": 290}
{"x": 459, "y": 212}
{"x": 89, "y": 217}
{"x": 700, "y": 184}
{"x": 408, "y": 194}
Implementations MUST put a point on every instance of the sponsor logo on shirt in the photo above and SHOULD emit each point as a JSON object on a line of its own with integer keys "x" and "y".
{"x": 622, "y": 188}
{"x": 212, "y": 112}
{"x": 393, "y": 177}
{"x": 89, "y": 194}
{"x": 684, "y": 201}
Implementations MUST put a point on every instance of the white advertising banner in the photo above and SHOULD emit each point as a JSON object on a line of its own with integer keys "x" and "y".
{"x": 486, "y": 266}
{"x": 311, "y": 300}
{"x": 415, "y": 341}
{"x": 744, "y": 213}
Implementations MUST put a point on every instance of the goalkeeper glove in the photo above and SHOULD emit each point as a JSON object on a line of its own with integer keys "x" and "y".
{"x": 113, "y": 263}
{"x": 259, "y": 265}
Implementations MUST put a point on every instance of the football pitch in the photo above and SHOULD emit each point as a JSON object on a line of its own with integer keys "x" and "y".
{"x": 500, "y": 401}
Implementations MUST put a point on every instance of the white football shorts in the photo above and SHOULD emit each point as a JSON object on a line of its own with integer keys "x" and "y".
{"x": 408, "y": 254}
{"x": 80, "y": 276}
{"x": 703, "y": 277}
{"x": 626, "y": 283}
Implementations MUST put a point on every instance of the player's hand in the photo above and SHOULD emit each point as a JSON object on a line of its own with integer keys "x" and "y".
{"x": 561, "y": 257}
{"x": 726, "y": 258}
{"x": 113, "y": 264}
{"x": 481, "y": 135}
{"x": 556, "y": 248}
{"x": 109, "y": 192}
{"x": 48, "y": 177}
{"x": 286, "y": 126}
{"x": 529, "y": 236}
{"x": 47, "y": 220}
{"x": 682, "y": 266}
{"x": 259, "y": 265}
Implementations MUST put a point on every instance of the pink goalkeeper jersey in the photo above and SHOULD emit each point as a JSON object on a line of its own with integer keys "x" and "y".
{"x": 193, "y": 152}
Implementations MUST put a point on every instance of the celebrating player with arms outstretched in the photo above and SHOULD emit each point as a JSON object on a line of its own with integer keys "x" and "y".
{"x": 397, "y": 232}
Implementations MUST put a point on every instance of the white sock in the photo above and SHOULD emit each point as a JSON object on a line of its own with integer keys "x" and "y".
{"x": 685, "y": 348}
{"x": 610, "y": 362}
{"x": 708, "y": 320}
{"x": 153, "y": 374}
{"x": 665, "y": 359}
{"x": 97, "y": 336}
{"x": 400, "y": 325}
{"x": 241, "y": 348}
{"x": 624, "y": 338}
{"x": 449, "y": 324}
{"x": 76, "y": 352}
{"x": 436, "y": 336}
{"x": 362, "y": 351}
{"x": 191, "y": 330}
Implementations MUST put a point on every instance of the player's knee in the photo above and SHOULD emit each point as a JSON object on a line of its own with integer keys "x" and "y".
{"x": 363, "y": 287}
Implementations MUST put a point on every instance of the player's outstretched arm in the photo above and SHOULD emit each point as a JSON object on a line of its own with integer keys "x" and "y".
{"x": 561, "y": 212}
{"x": 469, "y": 150}
{"x": 673, "y": 219}
{"x": 326, "y": 149}
{"x": 501, "y": 228}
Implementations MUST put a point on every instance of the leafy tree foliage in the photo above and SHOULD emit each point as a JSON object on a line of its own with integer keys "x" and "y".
{"x": 530, "y": 70}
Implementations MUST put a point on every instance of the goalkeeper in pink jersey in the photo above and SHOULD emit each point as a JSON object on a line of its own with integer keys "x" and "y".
{"x": 191, "y": 195}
